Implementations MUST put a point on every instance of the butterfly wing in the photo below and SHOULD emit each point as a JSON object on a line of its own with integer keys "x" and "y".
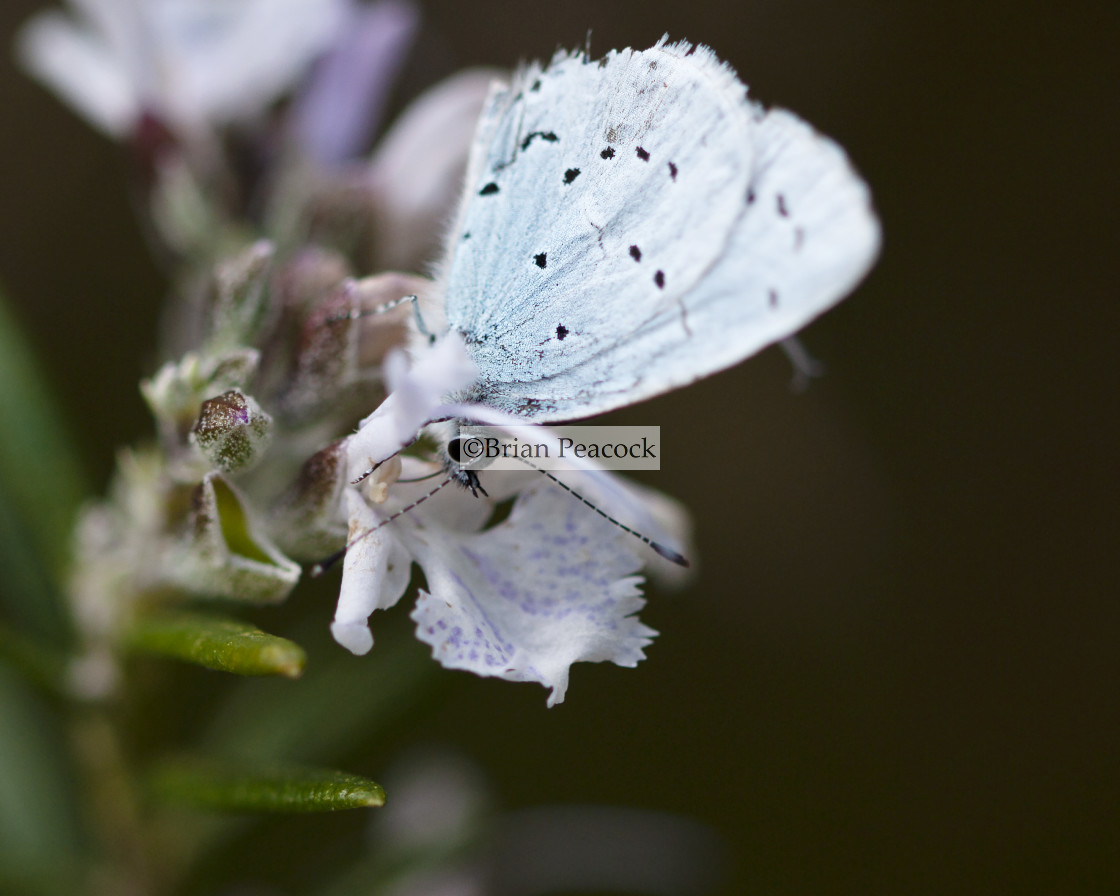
{"x": 633, "y": 225}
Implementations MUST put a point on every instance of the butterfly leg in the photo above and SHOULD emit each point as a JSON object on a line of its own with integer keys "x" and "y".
{"x": 805, "y": 366}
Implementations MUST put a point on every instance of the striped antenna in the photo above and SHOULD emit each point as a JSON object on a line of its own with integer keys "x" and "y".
{"x": 358, "y": 313}
{"x": 327, "y": 562}
{"x": 661, "y": 550}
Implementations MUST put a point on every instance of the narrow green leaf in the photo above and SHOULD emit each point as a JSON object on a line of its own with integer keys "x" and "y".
{"x": 28, "y": 597}
{"x": 41, "y": 486}
{"x": 273, "y": 788}
{"x": 217, "y": 642}
{"x": 38, "y": 464}
{"x": 38, "y": 815}
{"x": 41, "y": 665}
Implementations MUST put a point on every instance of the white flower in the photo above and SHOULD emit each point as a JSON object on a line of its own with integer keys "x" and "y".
{"x": 551, "y": 585}
{"x": 192, "y": 63}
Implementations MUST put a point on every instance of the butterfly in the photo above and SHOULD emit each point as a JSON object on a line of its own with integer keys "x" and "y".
{"x": 632, "y": 224}
{"x": 628, "y": 226}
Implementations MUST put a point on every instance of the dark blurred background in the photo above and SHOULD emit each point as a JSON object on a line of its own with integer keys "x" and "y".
{"x": 897, "y": 671}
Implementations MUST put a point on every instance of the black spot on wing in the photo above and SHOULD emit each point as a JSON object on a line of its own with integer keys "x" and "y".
{"x": 773, "y": 296}
{"x": 547, "y": 136}
{"x": 750, "y": 196}
{"x": 561, "y": 332}
{"x": 782, "y": 210}
{"x": 541, "y": 259}
{"x": 643, "y": 155}
{"x": 536, "y": 86}
{"x": 672, "y": 171}
{"x": 635, "y": 253}
{"x": 607, "y": 153}
{"x": 570, "y": 175}
{"x": 489, "y": 190}
{"x": 659, "y": 279}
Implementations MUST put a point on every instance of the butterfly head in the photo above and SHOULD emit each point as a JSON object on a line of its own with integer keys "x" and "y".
{"x": 456, "y": 452}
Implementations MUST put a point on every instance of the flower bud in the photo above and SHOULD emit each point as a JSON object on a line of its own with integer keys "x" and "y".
{"x": 176, "y": 392}
{"x": 225, "y": 553}
{"x": 344, "y": 340}
{"x": 302, "y": 281}
{"x": 232, "y": 431}
{"x": 241, "y": 300}
{"x": 307, "y": 521}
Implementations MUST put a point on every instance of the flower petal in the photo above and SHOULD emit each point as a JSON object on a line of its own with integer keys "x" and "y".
{"x": 655, "y": 516}
{"x": 72, "y": 62}
{"x": 416, "y": 396}
{"x": 342, "y": 103}
{"x": 374, "y": 576}
{"x": 222, "y": 59}
{"x": 550, "y": 586}
{"x": 418, "y": 168}
{"x": 191, "y": 62}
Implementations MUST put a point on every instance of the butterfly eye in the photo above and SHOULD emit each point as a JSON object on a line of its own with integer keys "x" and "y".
{"x": 453, "y": 449}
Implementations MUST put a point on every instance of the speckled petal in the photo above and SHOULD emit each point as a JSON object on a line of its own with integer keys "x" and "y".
{"x": 550, "y": 586}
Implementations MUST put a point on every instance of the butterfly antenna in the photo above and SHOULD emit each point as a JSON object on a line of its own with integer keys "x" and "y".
{"x": 327, "y": 562}
{"x": 661, "y": 550}
{"x": 357, "y": 313}
{"x": 422, "y": 478}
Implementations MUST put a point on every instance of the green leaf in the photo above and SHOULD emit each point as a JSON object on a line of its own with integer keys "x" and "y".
{"x": 28, "y": 597}
{"x": 42, "y": 666}
{"x": 41, "y": 483}
{"x": 274, "y": 788}
{"x": 217, "y": 642}
{"x": 39, "y": 838}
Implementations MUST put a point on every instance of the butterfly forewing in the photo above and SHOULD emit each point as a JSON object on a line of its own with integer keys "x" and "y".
{"x": 634, "y": 225}
{"x": 607, "y": 191}
{"x": 806, "y": 237}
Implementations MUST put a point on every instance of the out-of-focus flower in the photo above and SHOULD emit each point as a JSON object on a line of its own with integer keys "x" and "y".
{"x": 416, "y": 174}
{"x": 190, "y": 63}
{"x": 443, "y": 835}
{"x": 388, "y": 213}
{"x": 340, "y": 107}
{"x": 551, "y": 585}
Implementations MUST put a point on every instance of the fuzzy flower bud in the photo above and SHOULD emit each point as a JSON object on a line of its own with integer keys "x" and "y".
{"x": 175, "y": 394}
{"x": 241, "y": 300}
{"x": 226, "y": 553}
{"x": 307, "y": 521}
{"x": 232, "y": 431}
